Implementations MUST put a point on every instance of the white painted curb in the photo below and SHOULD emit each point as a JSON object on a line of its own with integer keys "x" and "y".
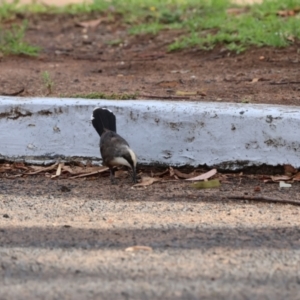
{"x": 166, "y": 132}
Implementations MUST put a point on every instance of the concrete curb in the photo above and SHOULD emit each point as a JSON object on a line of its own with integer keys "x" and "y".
{"x": 225, "y": 135}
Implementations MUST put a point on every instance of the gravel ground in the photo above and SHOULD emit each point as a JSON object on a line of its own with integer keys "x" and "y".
{"x": 66, "y": 239}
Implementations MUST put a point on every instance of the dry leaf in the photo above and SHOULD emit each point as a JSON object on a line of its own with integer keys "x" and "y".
{"x": 224, "y": 179}
{"x": 79, "y": 169}
{"x": 205, "y": 175}
{"x": 280, "y": 178}
{"x": 58, "y": 171}
{"x": 97, "y": 171}
{"x": 20, "y": 166}
{"x": 93, "y": 169}
{"x": 161, "y": 173}
{"x": 289, "y": 170}
{"x": 182, "y": 93}
{"x": 69, "y": 169}
{"x": 285, "y": 13}
{"x": 168, "y": 84}
{"x": 87, "y": 24}
{"x": 183, "y": 175}
{"x": 14, "y": 176}
{"x": 138, "y": 248}
{"x": 297, "y": 177}
{"x": 5, "y": 168}
{"x": 206, "y": 184}
{"x": 267, "y": 181}
{"x": 291, "y": 38}
{"x": 171, "y": 170}
{"x": 41, "y": 169}
{"x": 254, "y": 80}
{"x": 147, "y": 181}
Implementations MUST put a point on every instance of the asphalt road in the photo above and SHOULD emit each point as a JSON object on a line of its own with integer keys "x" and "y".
{"x": 66, "y": 239}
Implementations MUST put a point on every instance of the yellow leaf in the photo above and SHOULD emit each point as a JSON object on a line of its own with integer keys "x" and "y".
{"x": 206, "y": 184}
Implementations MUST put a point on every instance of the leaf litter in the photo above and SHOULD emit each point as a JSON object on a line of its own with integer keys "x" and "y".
{"x": 201, "y": 180}
{"x": 14, "y": 170}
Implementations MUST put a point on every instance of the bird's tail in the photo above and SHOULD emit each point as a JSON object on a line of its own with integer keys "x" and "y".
{"x": 103, "y": 119}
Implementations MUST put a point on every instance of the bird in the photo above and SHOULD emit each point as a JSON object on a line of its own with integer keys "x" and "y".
{"x": 114, "y": 149}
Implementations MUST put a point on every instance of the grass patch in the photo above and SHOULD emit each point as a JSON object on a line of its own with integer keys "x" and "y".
{"x": 12, "y": 41}
{"x": 204, "y": 24}
{"x": 104, "y": 96}
{"x": 10, "y": 10}
{"x": 259, "y": 26}
{"x": 47, "y": 81}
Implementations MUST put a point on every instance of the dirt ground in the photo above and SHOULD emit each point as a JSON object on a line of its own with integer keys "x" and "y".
{"x": 67, "y": 239}
{"x": 106, "y": 59}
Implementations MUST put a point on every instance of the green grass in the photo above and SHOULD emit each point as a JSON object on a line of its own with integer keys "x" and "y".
{"x": 97, "y": 95}
{"x": 203, "y": 23}
{"x": 260, "y": 26}
{"x": 9, "y": 10}
{"x": 47, "y": 81}
{"x": 12, "y": 41}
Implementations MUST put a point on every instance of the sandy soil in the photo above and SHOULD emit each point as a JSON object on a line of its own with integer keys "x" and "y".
{"x": 67, "y": 239}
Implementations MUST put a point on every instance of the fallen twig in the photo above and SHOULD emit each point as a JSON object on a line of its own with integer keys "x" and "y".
{"x": 16, "y": 93}
{"x": 42, "y": 169}
{"x": 91, "y": 173}
{"x": 204, "y": 176}
{"x": 264, "y": 199}
{"x": 284, "y": 82}
{"x": 13, "y": 176}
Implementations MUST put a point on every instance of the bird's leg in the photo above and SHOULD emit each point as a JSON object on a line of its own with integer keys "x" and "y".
{"x": 134, "y": 175}
{"x": 112, "y": 176}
